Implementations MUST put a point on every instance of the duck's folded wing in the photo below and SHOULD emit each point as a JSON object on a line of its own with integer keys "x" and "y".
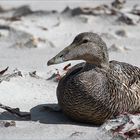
{"x": 75, "y": 69}
{"x": 128, "y": 75}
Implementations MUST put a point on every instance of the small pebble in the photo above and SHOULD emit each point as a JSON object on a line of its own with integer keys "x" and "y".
{"x": 121, "y": 33}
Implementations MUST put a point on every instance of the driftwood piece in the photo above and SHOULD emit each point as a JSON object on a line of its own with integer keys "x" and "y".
{"x": 16, "y": 111}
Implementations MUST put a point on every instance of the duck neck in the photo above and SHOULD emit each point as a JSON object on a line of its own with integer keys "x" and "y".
{"x": 103, "y": 64}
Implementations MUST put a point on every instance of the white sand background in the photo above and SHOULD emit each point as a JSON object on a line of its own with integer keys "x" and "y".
{"x": 28, "y": 93}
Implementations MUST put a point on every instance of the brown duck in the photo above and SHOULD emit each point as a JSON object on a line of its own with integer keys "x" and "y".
{"x": 98, "y": 89}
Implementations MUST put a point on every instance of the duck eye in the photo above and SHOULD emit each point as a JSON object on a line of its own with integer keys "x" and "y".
{"x": 85, "y": 41}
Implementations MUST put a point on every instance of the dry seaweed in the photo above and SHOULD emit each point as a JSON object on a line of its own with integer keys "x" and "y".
{"x": 3, "y": 71}
{"x": 118, "y": 3}
{"x": 125, "y": 125}
{"x": 7, "y": 77}
{"x": 55, "y": 76}
{"x": 7, "y": 123}
{"x": 99, "y": 10}
{"x": 75, "y": 134}
{"x": 121, "y": 33}
{"x": 128, "y": 19}
{"x": 33, "y": 74}
{"x": 22, "y": 11}
{"x": 136, "y": 10}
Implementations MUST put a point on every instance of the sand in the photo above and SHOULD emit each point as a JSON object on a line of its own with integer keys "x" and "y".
{"x": 30, "y": 43}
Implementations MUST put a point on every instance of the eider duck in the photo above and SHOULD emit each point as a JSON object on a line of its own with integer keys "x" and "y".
{"x": 97, "y": 89}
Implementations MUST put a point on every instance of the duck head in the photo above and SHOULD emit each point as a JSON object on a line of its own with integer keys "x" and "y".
{"x": 86, "y": 46}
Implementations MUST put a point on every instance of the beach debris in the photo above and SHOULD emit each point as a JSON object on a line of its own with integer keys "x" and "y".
{"x": 115, "y": 48}
{"x": 19, "y": 38}
{"x": 7, "y": 77}
{"x": 55, "y": 76}
{"x": 43, "y": 28}
{"x": 66, "y": 10}
{"x": 121, "y": 33}
{"x": 21, "y": 11}
{"x": 5, "y": 27}
{"x": 11, "y": 123}
{"x": 2, "y": 9}
{"x": 125, "y": 125}
{"x": 59, "y": 73}
{"x": 66, "y": 68}
{"x": 75, "y": 134}
{"x": 24, "y": 40}
{"x": 128, "y": 19}
{"x": 16, "y": 111}
{"x": 14, "y": 13}
{"x": 33, "y": 74}
{"x": 136, "y": 10}
{"x": 7, "y": 123}
{"x": 118, "y": 3}
{"x": 3, "y": 71}
{"x": 99, "y": 10}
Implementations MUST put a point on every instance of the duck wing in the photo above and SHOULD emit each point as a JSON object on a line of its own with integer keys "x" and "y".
{"x": 75, "y": 69}
{"x": 127, "y": 74}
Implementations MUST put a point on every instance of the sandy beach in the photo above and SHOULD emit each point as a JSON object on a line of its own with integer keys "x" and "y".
{"x": 29, "y": 37}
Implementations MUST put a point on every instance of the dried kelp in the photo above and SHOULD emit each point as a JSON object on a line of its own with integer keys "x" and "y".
{"x": 99, "y": 10}
{"x": 3, "y": 71}
{"x": 128, "y": 19}
{"x": 55, "y": 76}
{"x": 7, "y": 123}
{"x": 59, "y": 74}
{"x": 18, "y": 38}
{"x": 21, "y": 11}
{"x": 118, "y": 3}
{"x": 7, "y": 77}
{"x": 126, "y": 126}
{"x": 121, "y": 33}
{"x": 136, "y": 10}
{"x": 33, "y": 74}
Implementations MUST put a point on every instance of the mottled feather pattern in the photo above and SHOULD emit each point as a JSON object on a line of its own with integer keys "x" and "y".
{"x": 90, "y": 94}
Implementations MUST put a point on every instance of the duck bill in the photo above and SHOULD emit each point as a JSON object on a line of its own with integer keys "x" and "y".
{"x": 59, "y": 58}
{"x": 55, "y": 60}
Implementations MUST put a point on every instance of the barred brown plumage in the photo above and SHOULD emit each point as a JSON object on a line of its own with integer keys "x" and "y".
{"x": 96, "y": 90}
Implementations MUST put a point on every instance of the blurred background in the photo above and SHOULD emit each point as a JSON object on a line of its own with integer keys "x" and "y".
{"x": 33, "y": 31}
